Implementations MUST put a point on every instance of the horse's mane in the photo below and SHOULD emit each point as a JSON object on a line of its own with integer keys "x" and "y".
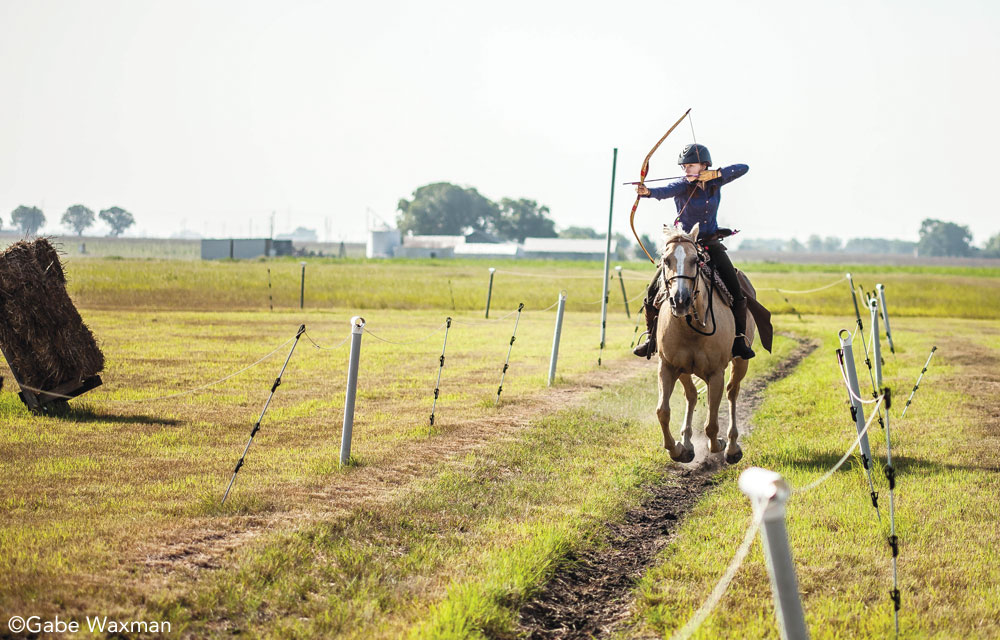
{"x": 671, "y": 233}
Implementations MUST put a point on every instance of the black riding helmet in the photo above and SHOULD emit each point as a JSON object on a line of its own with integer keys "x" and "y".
{"x": 695, "y": 153}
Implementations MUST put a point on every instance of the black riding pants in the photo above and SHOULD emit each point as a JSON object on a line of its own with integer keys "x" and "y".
{"x": 726, "y": 270}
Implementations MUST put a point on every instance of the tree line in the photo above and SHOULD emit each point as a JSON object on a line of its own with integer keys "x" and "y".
{"x": 936, "y": 238}
{"x": 77, "y": 217}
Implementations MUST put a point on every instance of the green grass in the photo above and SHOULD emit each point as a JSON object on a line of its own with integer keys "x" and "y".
{"x": 443, "y": 531}
{"x": 461, "y": 285}
{"x": 946, "y": 514}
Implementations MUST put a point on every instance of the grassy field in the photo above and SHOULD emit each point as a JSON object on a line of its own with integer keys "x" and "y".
{"x": 443, "y": 531}
{"x": 462, "y": 286}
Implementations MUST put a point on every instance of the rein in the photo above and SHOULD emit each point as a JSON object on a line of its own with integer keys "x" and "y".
{"x": 694, "y": 279}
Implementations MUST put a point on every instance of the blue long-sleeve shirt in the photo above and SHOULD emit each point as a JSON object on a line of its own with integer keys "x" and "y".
{"x": 702, "y": 203}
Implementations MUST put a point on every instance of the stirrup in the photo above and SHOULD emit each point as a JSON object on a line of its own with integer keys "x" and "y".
{"x": 741, "y": 349}
{"x": 646, "y": 349}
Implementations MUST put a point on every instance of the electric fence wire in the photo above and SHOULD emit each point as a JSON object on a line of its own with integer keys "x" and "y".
{"x": 426, "y": 337}
{"x": 333, "y": 348}
{"x": 804, "y": 291}
{"x": 491, "y": 321}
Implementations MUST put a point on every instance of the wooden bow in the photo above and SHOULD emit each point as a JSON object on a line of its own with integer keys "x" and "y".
{"x": 642, "y": 178}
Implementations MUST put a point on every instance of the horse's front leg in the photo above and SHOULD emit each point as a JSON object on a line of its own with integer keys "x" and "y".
{"x": 666, "y": 381}
{"x": 733, "y": 451}
{"x": 691, "y": 393}
{"x": 715, "y": 384}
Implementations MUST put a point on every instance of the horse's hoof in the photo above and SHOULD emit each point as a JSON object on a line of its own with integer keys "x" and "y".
{"x": 687, "y": 455}
{"x": 733, "y": 458}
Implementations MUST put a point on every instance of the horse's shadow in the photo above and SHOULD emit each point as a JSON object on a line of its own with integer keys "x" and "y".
{"x": 904, "y": 465}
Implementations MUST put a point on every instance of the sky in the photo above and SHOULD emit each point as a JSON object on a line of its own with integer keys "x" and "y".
{"x": 857, "y": 118}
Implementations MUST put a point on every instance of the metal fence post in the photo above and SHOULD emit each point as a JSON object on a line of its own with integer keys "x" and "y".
{"x": 357, "y": 329}
{"x": 768, "y": 493}
{"x": 876, "y": 342}
{"x": 556, "y": 336}
{"x": 302, "y": 288}
{"x": 506, "y": 363}
{"x": 628, "y": 314}
{"x": 489, "y": 292}
{"x": 885, "y": 316}
{"x": 919, "y": 378}
{"x": 858, "y": 411}
{"x": 437, "y": 385}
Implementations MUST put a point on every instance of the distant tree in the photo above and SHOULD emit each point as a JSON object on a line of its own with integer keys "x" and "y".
{"x": 520, "y": 219}
{"x": 992, "y": 249}
{"x": 445, "y": 209}
{"x": 879, "y": 246}
{"x": 816, "y": 244}
{"x": 650, "y": 247}
{"x": 623, "y": 248}
{"x": 28, "y": 219}
{"x": 118, "y": 219}
{"x": 580, "y": 233}
{"x": 78, "y": 218}
{"x": 794, "y": 246}
{"x": 762, "y": 244}
{"x": 939, "y": 238}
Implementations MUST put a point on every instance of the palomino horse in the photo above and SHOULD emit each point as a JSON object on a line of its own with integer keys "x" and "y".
{"x": 686, "y": 350}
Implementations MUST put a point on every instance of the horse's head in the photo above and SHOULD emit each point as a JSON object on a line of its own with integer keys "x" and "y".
{"x": 680, "y": 268}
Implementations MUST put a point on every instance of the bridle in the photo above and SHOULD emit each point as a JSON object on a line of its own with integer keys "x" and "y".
{"x": 695, "y": 280}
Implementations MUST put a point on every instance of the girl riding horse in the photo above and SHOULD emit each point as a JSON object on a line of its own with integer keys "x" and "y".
{"x": 697, "y": 197}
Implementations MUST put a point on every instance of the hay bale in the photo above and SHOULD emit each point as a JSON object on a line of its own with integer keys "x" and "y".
{"x": 42, "y": 334}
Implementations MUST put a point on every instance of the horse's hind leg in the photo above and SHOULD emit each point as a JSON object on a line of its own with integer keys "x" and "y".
{"x": 733, "y": 451}
{"x": 666, "y": 381}
{"x": 691, "y": 394}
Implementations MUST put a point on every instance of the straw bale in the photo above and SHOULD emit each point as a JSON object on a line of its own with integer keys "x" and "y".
{"x": 41, "y": 332}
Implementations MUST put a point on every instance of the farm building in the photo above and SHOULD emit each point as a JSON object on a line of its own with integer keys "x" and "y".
{"x": 243, "y": 248}
{"x": 479, "y": 244}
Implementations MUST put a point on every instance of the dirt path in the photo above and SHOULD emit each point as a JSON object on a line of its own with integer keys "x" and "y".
{"x": 593, "y": 594}
{"x": 203, "y": 543}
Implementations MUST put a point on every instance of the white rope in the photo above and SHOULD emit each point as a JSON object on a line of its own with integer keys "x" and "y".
{"x": 428, "y": 336}
{"x": 334, "y": 347}
{"x": 720, "y": 588}
{"x": 549, "y": 276}
{"x": 479, "y": 322}
{"x": 832, "y": 284}
{"x": 857, "y": 441}
{"x": 551, "y": 306}
{"x": 850, "y": 392}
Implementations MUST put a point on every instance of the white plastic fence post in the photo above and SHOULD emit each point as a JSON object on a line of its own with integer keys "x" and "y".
{"x": 858, "y": 412}
{"x": 857, "y": 408}
{"x": 357, "y": 329}
{"x": 876, "y": 342}
{"x": 885, "y": 316}
{"x": 556, "y": 336}
{"x": 768, "y": 493}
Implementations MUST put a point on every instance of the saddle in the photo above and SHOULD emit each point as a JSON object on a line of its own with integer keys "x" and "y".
{"x": 761, "y": 316}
